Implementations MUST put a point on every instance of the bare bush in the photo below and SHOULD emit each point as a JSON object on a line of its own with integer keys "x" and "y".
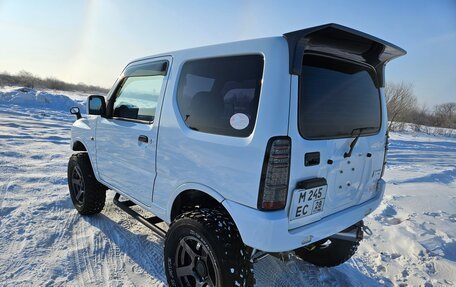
{"x": 396, "y": 126}
{"x": 27, "y": 79}
{"x": 417, "y": 127}
{"x": 403, "y": 108}
{"x": 445, "y": 115}
{"x": 421, "y": 116}
{"x": 400, "y": 101}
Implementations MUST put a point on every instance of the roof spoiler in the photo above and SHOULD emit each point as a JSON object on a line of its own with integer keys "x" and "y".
{"x": 344, "y": 42}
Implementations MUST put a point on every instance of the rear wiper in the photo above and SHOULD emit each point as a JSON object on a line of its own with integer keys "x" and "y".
{"x": 353, "y": 143}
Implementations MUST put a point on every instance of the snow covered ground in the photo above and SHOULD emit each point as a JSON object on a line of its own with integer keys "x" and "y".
{"x": 44, "y": 242}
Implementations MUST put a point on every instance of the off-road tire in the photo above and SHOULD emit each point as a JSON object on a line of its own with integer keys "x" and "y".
{"x": 94, "y": 193}
{"x": 336, "y": 253}
{"x": 216, "y": 232}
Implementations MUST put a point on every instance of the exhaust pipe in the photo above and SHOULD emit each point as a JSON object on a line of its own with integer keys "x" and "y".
{"x": 353, "y": 233}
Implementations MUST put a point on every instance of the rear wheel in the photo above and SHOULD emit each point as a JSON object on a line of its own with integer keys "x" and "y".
{"x": 87, "y": 194}
{"x": 203, "y": 248}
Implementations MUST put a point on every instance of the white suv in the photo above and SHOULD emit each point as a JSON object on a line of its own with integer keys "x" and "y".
{"x": 266, "y": 146}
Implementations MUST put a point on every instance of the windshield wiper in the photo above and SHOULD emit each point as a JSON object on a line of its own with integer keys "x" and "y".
{"x": 353, "y": 143}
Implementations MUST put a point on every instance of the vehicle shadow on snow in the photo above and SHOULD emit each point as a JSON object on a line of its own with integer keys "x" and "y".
{"x": 273, "y": 272}
{"x": 445, "y": 177}
{"x": 147, "y": 254}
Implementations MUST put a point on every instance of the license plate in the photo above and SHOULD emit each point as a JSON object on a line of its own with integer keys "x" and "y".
{"x": 307, "y": 201}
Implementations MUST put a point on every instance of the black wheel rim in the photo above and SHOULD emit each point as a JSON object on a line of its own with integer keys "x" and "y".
{"x": 195, "y": 264}
{"x": 77, "y": 182}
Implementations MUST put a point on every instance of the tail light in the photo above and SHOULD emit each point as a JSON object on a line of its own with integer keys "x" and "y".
{"x": 275, "y": 174}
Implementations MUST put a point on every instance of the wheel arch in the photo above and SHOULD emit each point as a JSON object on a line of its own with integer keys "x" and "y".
{"x": 193, "y": 195}
{"x": 77, "y": 145}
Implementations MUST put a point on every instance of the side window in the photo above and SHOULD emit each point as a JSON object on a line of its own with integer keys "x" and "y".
{"x": 221, "y": 95}
{"x": 138, "y": 94}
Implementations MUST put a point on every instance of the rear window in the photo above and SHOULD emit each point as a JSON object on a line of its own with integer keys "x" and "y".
{"x": 220, "y": 95}
{"x": 337, "y": 98}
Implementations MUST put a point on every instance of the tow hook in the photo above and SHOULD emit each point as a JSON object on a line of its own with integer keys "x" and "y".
{"x": 367, "y": 230}
{"x": 284, "y": 256}
{"x": 258, "y": 255}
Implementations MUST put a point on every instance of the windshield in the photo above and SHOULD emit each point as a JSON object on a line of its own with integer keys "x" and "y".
{"x": 336, "y": 98}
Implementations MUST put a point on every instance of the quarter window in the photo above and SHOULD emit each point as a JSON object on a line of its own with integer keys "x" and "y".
{"x": 221, "y": 95}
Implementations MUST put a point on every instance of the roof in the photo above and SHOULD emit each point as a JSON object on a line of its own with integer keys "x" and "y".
{"x": 332, "y": 39}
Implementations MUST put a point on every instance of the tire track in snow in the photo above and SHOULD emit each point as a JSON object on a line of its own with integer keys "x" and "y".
{"x": 3, "y": 191}
{"x": 80, "y": 245}
{"x": 273, "y": 272}
{"x": 143, "y": 254}
{"x": 7, "y": 171}
{"x": 105, "y": 252}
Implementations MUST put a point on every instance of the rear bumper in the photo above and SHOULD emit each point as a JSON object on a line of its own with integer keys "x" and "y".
{"x": 268, "y": 231}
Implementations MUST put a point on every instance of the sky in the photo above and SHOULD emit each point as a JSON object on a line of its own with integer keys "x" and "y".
{"x": 91, "y": 41}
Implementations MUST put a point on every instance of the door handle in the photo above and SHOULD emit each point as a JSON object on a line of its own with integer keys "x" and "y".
{"x": 143, "y": 138}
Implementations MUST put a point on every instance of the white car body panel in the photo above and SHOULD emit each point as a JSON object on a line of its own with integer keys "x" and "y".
{"x": 82, "y": 131}
{"x": 349, "y": 178}
{"x": 268, "y": 231}
{"x": 124, "y": 162}
{"x": 229, "y": 165}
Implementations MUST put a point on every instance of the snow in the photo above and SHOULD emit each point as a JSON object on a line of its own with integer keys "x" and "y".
{"x": 39, "y": 99}
{"x": 44, "y": 242}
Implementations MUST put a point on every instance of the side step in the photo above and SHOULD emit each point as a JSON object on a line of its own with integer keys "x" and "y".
{"x": 150, "y": 222}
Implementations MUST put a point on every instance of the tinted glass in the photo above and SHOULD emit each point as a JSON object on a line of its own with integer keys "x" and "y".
{"x": 147, "y": 69}
{"x": 220, "y": 95}
{"x": 337, "y": 97}
{"x": 95, "y": 105}
{"x": 138, "y": 97}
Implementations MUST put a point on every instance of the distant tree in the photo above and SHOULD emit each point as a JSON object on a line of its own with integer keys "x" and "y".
{"x": 400, "y": 102}
{"x": 55, "y": 84}
{"x": 445, "y": 115}
{"x": 27, "y": 79}
{"x": 420, "y": 115}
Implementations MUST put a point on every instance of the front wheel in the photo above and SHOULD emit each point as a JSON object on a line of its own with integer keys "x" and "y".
{"x": 87, "y": 194}
{"x": 203, "y": 248}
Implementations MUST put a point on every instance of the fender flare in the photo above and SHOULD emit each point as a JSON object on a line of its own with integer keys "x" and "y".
{"x": 89, "y": 153}
{"x": 78, "y": 139}
{"x": 190, "y": 186}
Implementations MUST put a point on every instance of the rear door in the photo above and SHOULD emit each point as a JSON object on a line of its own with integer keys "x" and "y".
{"x": 126, "y": 139}
{"x": 336, "y": 102}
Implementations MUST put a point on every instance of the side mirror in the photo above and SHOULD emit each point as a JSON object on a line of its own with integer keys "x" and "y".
{"x": 75, "y": 111}
{"x": 96, "y": 105}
